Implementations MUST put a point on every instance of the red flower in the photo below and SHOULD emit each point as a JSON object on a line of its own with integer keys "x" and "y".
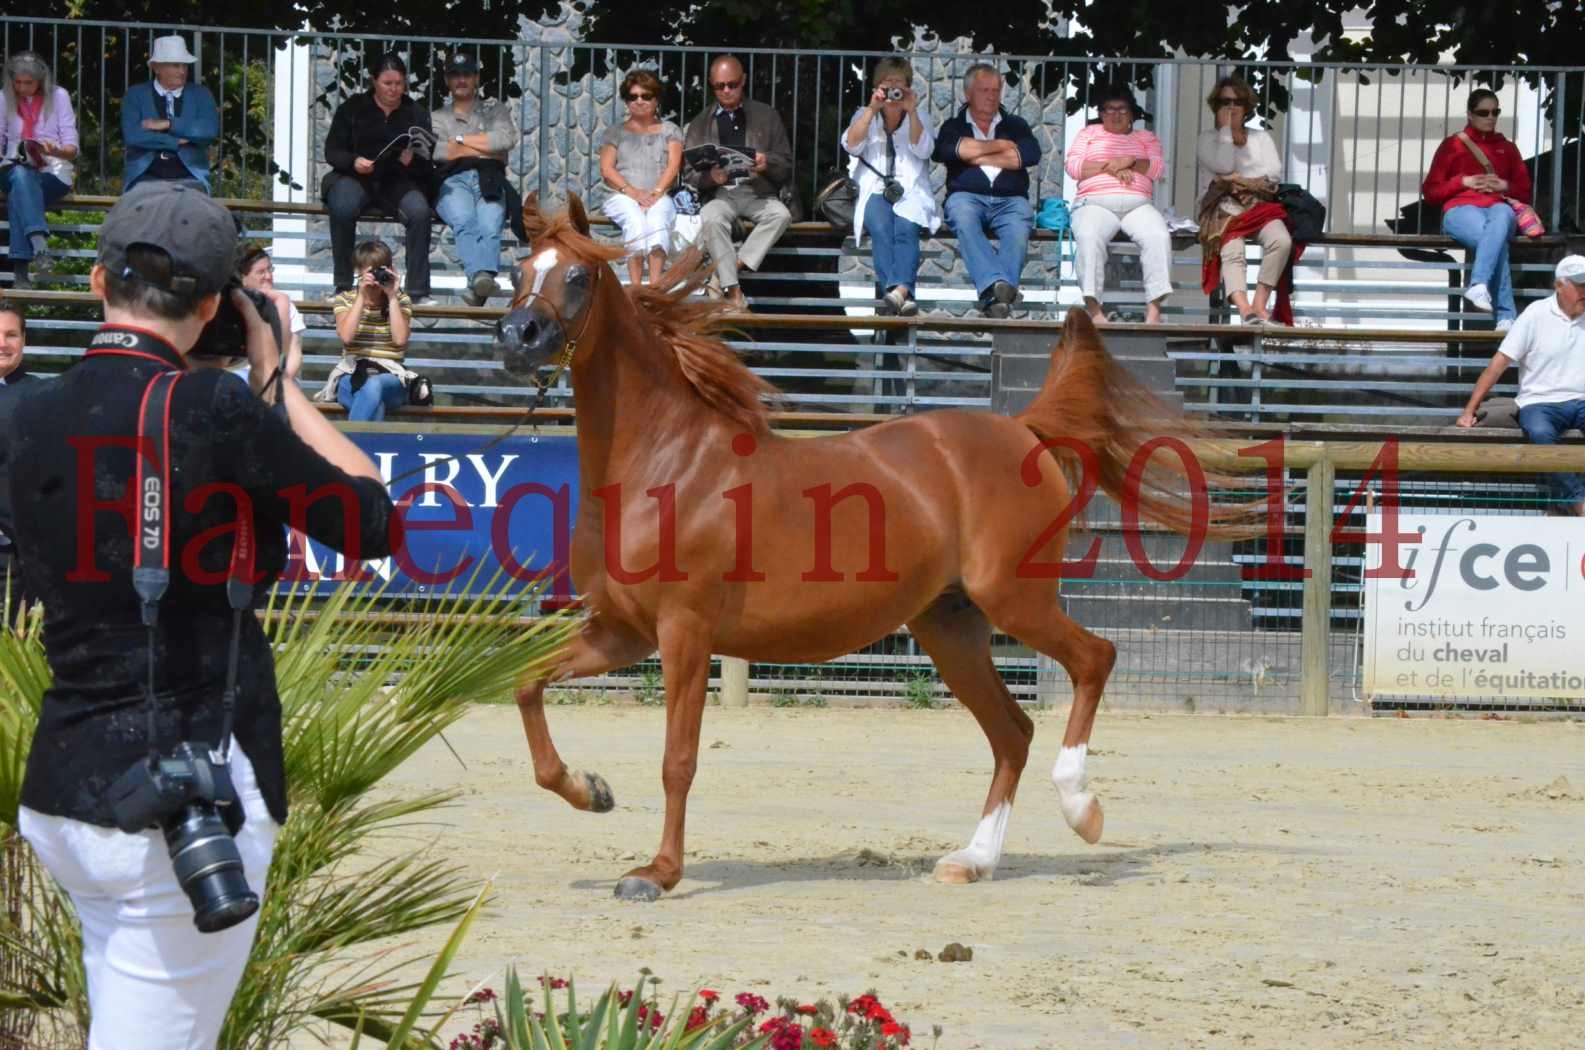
{"x": 709, "y": 995}
{"x": 752, "y": 1003}
{"x": 483, "y": 995}
{"x": 822, "y": 1037}
{"x": 896, "y": 1031}
{"x": 698, "y": 1017}
{"x": 554, "y": 982}
{"x": 863, "y": 1005}
{"x": 880, "y": 1013}
{"x": 807, "y": 1009}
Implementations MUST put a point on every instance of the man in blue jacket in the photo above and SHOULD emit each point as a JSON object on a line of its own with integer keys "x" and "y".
{"x": 167, "y": 123}
{"x": 988, "y": 152}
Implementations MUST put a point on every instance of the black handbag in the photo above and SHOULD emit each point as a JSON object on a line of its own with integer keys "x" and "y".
{"x": 1306, "y": 215}
{"x": 837, "y": 201}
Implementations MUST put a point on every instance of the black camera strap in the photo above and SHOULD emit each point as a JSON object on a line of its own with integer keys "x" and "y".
{"x": 151, "y": 550}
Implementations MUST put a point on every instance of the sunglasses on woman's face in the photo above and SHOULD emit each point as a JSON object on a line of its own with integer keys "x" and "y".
{"x": 1485, "y": 112}
{"x": 640, "y": 96}
{"x": 1224, "y": 102}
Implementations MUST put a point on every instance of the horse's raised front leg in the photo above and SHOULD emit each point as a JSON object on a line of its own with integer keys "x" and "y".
{"x": 600, "y": 647}
{"x": 957, "y": 637}
{"x": 685, "y": 663}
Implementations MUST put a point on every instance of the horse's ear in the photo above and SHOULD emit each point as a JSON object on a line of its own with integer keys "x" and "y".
{"x": 576, "y": 214}
{"x": 532, "y": 222}
{"x": 1078, "y": 329}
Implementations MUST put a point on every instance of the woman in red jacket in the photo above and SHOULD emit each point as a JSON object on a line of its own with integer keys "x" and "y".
{"x": 1472, "y": 176}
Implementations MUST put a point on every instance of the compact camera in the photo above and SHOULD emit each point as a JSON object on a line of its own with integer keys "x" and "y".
{"x": 382, "y": 275}
{"x": 226, "y": 334}
{"x": 189, "y": 796}
{"x": 892, "y": 191}
{"x": 895, "y": 94}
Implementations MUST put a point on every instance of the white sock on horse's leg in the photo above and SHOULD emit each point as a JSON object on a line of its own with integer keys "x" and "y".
{"x": 1080, "y": 808}
{"x": 984, "y": 850}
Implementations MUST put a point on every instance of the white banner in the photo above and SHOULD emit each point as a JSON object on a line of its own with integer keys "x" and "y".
{"x": 1486, "y": 607}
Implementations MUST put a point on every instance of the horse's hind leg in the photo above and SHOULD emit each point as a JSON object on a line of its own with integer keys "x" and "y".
{"x": 957, "y": 637}
{"x": 600, "y": 647}
{"x": 1031, "y": 615}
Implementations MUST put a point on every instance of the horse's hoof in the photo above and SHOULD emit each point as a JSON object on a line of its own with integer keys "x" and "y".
{"x": 637, "y": 888}
{"x": 600, "y": 798}
{"x": 954, "y": 874}
{"x": 1089, "y": 826}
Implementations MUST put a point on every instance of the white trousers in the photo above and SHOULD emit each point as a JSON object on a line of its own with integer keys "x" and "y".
{"x": 642, "y": 228}
{"x": 1097, "y": 219}
{"x": 154, "y": 981}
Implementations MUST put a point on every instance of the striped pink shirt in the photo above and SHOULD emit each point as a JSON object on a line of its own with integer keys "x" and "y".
{"x": 1094, "y": 142}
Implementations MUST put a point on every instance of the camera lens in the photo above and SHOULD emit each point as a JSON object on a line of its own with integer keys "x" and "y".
{"x": 894, "y": 94}
{"x": 209, "y": 868}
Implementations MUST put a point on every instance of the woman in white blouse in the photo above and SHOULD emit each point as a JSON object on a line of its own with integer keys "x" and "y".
{"x": 889, "y": 142}
{"x": 1228, "y": 152}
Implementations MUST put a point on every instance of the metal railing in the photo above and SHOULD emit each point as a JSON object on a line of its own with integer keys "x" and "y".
{"x": 1360, "y": 137}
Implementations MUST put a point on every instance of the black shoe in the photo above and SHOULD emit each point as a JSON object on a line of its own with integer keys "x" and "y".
{"x": 1003, "y": 292}
{"x": 480, "y": 287}
{"x": 996, "y": 310}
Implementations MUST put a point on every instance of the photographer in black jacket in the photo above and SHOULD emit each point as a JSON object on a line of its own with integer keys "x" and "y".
{"x": 220, "y": 464}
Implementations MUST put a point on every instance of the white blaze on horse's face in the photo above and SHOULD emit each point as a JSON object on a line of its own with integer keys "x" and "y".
{"x": 542, "y": 264}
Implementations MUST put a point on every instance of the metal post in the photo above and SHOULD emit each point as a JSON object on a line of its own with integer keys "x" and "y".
{"x": 545, "y": 91}
{"x": 1559, "y": 116}
{"x": 734, "y": 682}
{"x": 1316, "y": 630}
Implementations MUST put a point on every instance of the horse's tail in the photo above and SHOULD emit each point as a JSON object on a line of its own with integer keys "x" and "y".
{"x": 1089, "y": 398}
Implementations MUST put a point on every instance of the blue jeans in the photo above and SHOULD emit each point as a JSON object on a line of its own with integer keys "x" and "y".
{"x": 28, "y": 193}
{"x": 1543, "y": 425}
{"x": 475, "y": 222}
{"x": 895, "y": 243}
{"x": 1486, "y": 232}
{"x": 378, "y": 393}
{"x": 1010, "y": 219}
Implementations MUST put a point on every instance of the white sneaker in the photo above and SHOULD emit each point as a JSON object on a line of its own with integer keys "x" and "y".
{"x": 1505, "y": 324}
{"x": 1479, "y": 297}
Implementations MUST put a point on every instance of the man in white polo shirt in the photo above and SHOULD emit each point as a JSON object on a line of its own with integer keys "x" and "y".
{"x": 1548, "y": 345}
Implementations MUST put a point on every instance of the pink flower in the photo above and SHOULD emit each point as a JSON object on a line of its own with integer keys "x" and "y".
{"x": 483, "y": 995}
{"x": 752, "y": 1003}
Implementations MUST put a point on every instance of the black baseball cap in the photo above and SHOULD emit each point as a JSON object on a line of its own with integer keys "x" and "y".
{"x": 462, "y": 62}
{"x": 180, "y": 220}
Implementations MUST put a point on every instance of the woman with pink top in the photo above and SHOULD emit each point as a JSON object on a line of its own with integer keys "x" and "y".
{"x": 1117, "y": 168}
{"x": 38, "y": 143}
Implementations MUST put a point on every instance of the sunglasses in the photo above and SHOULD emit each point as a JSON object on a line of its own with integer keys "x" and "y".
{"x": 640, "y": 96}
{"x": 1118, "y": 109}
{"x": 727, "y": 85}
{"x": 1485, "y": 112}
{"x": 1223, "y": 103}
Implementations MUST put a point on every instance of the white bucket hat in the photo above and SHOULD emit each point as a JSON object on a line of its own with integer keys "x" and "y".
{"x": 171, "y": 49}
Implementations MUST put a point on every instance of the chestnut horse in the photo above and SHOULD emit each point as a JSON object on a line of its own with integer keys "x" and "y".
{"x": 699, "y": 531}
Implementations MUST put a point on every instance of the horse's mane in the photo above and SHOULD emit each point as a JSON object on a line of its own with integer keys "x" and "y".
{"x": 691, "y": 328}
{"x": 688, "y": 326}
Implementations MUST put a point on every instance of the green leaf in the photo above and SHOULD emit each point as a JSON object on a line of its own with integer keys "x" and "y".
{"x": 438, "y": 970}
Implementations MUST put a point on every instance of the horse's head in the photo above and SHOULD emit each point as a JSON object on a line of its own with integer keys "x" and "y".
{"x": 555, "y": 289}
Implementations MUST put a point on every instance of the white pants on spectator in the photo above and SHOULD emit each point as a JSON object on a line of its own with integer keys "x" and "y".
{"x": 642, "y": 228}
{"x": 1276, "y": 244}
{"x": 154, "y": 981}
{"x": 1096, "y": 220}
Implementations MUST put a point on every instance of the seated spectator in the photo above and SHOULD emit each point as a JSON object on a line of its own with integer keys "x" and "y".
{"x": 1117, "y": 168}
{"x": 167, "y": 123}
{"x": 38, "y": 142}
{"x": 1548, "y": 345}
{"x": 257, "y": 271}
{"x": 639, "y": 160}
{"x": 1239, "y": 169}
{"x": 988, "y": 153}
{"x": 890, "y": 142}
{"x": 370, "y": 377}
{"x": 1472, "y": 175}
{"x": 750, "y": 127}
{"x": 472, "y": 137}
{"x": 373, "y": 158}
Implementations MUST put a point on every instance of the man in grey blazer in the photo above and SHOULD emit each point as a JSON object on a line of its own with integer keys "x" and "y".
{"x": 750, "y": 127}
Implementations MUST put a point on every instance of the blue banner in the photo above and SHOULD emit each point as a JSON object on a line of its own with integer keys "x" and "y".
{"x": 466, "y": 514}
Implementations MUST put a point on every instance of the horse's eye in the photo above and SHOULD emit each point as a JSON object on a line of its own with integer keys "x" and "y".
{"x": 578, "y": 276}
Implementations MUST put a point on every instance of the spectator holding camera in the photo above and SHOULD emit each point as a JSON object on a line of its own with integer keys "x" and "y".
{"x": 257, "y": 271}
{"x": 752, "y": 128}
{"x": 378, "y": 149}
{"x": 139, "y": 673}
{"x": 639, "y": 160}
{"x": 167, "y": 123}
{"x": 472, "y": 137}
{"x": 373, "y": 322}
{"x": 38, "y": 143}
{"x": 889, "y": 142}
{"x": 988, "y": 153}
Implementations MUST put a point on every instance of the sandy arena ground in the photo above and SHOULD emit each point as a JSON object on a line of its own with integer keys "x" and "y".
{"x": 1263, "y": 882}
